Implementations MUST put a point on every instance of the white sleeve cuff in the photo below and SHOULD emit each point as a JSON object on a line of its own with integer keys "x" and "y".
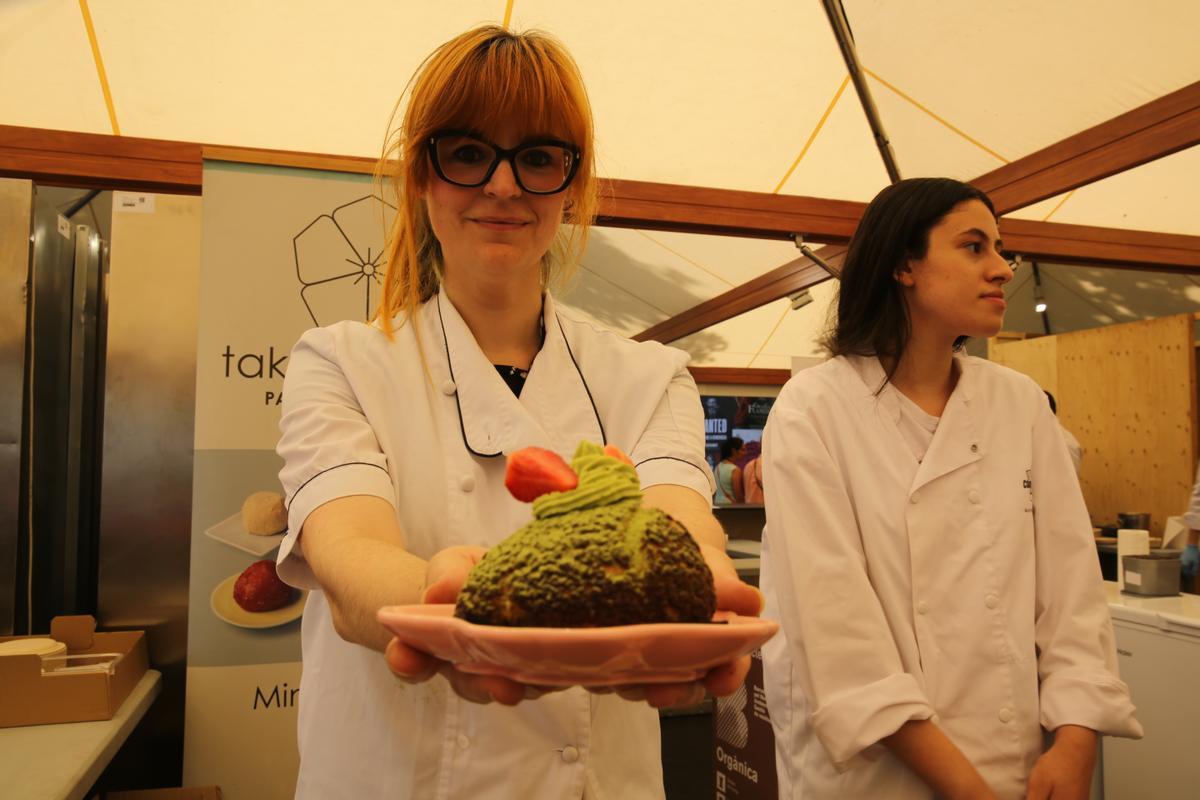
{"x": 345, "y": 480}
{"x": 674, "y": 471}
{"x": 1100, "y": 702}
{"x": 852, "y": 721}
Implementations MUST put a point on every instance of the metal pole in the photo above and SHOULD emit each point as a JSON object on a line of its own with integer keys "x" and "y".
{"x": 811, "y": 255}
{"x": 845, "y": 40}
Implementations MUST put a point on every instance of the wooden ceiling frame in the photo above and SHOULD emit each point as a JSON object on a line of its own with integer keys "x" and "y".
{"x": 726, "y": 212}
{"x": 1155, "y": 130}
{"x": 101, "y": 161}
{"x": 794, "y": 276}
{"x": 740, "y": 376}
{"x": 113, "y": 162}
{"x": 1149, "y": 132}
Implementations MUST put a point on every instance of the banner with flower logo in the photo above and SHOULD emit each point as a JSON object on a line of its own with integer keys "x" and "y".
{"x": 283, "y": 250}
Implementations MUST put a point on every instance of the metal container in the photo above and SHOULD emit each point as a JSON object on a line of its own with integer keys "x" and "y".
{"x": 1152, "y": 575}
{"x": 1139, "y": 521}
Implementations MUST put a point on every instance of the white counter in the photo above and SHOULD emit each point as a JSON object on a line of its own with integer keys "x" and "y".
{"x": 61, "y": 762}
{"x": 1158, "y": 653}
{"x": 1182, "y": 610}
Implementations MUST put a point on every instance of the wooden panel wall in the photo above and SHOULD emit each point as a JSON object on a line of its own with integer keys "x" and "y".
{"x": 1128, "y": 393}
{"x": 1037, "y": 358}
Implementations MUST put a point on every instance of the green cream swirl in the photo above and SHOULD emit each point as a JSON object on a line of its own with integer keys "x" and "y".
{"x": 603, "y": 481}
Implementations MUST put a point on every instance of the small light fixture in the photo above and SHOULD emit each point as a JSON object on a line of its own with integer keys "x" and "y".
{"x": 800, "y": 299}
{"x": 1040, "y": 306}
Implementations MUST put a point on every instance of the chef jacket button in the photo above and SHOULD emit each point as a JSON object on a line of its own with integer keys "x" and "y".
{"x": 974, "y": 448}
{"x": 448, "y": 388}
{"x": 467, "y": 483}
{"x": 916, "y": 496}
{"x": 991, "y": 601}
{"x": 935, "y": 719}
{"x": 463, "y": 742}
{"x": 570, "y": 754}
{"x": 1006, "y": 714}
{"x": 922, "y": 607}
{"x": 974, "y": 496}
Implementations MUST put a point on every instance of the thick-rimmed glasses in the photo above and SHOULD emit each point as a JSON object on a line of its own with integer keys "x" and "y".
{"x": 540, "y": 166}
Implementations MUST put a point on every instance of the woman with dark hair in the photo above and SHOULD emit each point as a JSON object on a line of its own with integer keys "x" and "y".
{"x": 927, "y": 550}
{"x": 728, "y": 473}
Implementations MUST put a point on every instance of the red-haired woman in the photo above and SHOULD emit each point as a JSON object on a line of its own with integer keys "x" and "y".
{"x": 394, "y": 435}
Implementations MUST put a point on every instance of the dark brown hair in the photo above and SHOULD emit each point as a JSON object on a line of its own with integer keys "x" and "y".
{"x": 872, "y": 317}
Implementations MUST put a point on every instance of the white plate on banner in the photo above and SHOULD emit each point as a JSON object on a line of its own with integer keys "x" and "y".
{"x": 226, "y": 608}
{"x": 232, "y": 531}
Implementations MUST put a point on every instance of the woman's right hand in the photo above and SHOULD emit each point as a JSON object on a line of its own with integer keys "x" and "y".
{"x": 444, "y": 577}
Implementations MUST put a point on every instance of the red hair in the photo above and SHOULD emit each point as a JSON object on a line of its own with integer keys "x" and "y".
{"x": 482, "y": 80}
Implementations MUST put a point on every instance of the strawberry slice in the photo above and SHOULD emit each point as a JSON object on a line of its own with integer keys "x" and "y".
{"x": 612, "y": 451}
{"x": 535, "y": 471}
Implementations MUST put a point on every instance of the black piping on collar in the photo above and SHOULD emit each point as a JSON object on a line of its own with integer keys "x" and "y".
{"x": 462, "y": 428}
{"x": 450, "y": 363}
{"x": 586, "y": 388}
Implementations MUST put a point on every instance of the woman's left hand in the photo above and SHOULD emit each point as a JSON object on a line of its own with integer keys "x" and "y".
{"x": 1064, "y": 772}
{"x": 734, "y": 595}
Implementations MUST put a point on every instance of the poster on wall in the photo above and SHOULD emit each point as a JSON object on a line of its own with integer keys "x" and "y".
{"x": 283, "y": 250}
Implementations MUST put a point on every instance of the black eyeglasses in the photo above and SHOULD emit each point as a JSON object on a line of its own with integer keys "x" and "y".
{"x": 540, "y": 166}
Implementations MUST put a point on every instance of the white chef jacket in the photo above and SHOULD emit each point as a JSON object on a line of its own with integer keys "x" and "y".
{"x": 1191, "y": 517}
{"x": 1074, "y": 449}
{"x": 964, "y": 588}
{"x": 360, "y": 417}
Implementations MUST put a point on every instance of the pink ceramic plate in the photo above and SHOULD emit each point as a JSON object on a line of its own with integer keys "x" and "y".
{"x": 656, "y": 653}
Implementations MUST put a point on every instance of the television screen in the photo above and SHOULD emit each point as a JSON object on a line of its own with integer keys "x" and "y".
{"x": 734, "y": 417}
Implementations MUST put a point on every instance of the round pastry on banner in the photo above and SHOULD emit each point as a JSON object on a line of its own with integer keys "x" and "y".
{"x": 259, "y": 588}
{"x": 593, "y": 556}
{"x": 263, "y": 514}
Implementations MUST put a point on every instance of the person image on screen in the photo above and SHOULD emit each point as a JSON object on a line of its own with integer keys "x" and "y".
{"x": 728, "y": 473}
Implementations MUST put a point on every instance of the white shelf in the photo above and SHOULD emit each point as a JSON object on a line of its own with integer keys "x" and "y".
{"x": 61, "y": 762}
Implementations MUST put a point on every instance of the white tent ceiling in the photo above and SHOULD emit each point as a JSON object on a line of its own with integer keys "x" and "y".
{"x": 748, "y": 96}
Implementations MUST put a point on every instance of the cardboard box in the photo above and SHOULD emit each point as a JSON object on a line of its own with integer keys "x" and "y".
{"x": 190, "y": 793}
{"x": 29, "y": 696}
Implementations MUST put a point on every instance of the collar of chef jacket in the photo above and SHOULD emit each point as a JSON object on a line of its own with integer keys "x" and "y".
{"x": 556, "y": 403}
{"x": 956, "y": 442}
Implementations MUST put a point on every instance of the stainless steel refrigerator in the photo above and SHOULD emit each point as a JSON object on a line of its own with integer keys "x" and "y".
{"x": 96, "y": 423}
{"x": 51, "y": 371}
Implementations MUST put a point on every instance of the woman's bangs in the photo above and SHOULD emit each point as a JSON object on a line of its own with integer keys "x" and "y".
{"x": 506, "y": 89}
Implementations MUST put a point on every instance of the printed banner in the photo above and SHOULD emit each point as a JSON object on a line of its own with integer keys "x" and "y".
{"x": 744, "y": 742}
{"x": 282, "y": 251}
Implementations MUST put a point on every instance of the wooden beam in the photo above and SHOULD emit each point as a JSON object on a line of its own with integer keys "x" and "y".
{"x": 99, "y": 161}
{"x": 745, "y": 377}
{"x": 1156, "y": 129}
{"x": 1049, "y": 241}
{"x": 290, "y": 158}
{"x": 1116, "y": 247}
{"x": 794, "y": 276}
{"x": 120, "y": 162}
{"x": 695, "y": 209}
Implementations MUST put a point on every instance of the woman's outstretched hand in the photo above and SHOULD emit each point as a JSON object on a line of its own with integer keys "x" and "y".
{"x": 446, "y": 574}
